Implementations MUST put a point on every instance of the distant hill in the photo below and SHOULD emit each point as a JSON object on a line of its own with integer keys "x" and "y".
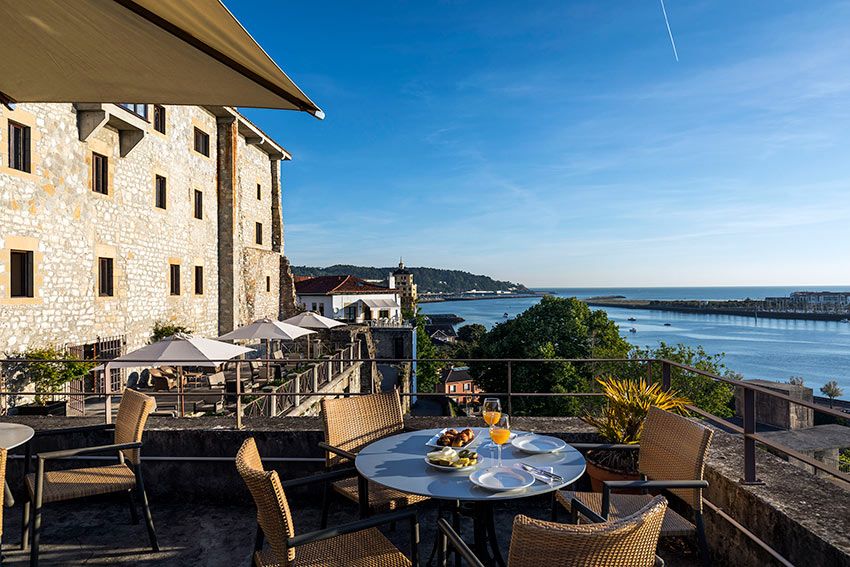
{"x": 426, "y": 279}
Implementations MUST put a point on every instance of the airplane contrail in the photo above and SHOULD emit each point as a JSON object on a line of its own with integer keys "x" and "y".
{"x": 669, "y": 31}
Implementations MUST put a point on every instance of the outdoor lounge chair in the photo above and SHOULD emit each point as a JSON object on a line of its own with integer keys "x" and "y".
{"x": 216, "y": 381}
{"x": 671, "y": 459}
{"x": 350, "y": 424}
{"x": 629, "y": 541}
{"x": 162, "y": 380}
{"x": 357, "y": 544}
{"x": 125, "y": 476}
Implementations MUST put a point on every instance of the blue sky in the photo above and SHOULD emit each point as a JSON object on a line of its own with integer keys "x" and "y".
{"x": 560, "y": 143}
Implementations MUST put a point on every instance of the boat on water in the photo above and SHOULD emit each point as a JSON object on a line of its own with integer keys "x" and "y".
{"x": 633, "y": 330}
{"x": 667, "y": 325}
{"x": 506, "y": 316}
{"x": 632, "y": 319}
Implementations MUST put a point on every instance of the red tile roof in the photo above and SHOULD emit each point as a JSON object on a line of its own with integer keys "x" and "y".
{"x": 338, "y": 285}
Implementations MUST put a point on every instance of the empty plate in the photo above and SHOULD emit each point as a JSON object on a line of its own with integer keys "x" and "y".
{"x": 538, "y": 444}
{"x": 500, "y": 479}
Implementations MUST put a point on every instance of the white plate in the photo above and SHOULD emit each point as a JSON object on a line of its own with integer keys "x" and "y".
{"x": 538, "y": 444}
{"x": 451, "y": 469}
{"x": 432, "y": 442}
{"x": 501, "y": 479}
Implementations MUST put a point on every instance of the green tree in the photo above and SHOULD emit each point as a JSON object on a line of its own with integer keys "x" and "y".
{"x": 707, "y": 394}
{"x": 554, "y": 328}
{"x": 471, "y": 333}
{"x": 831, "y": 390}
{"x": 427, "y": 373}
{"x": 47, "y": 377}
{"x": 162, "y": 330}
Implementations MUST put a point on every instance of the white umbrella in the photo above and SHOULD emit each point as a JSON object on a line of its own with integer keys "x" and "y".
{"x": 178, "y": 350}
{"x": 266, "y": 329}
{"x": 312, "y": 320}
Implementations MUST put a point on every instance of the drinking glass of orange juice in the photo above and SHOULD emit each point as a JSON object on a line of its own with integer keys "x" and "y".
{"x": 491, "y": 410}
{"x": 500, "y": 433}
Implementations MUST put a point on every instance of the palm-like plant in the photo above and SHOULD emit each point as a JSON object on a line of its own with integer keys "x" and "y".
{"x": 621, "y": 421}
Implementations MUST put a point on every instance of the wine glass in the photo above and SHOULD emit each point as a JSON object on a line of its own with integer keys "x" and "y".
{"x": 500, "y": 433}
{"x": 491, "y": 410}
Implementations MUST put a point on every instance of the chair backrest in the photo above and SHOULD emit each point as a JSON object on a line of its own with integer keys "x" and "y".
{"x": 216, "y": 379}
{"x": 673, "y": 447}
{"x": 273, "y": 513}
{"x": 627, "y": 542}
{"x": 133, "y": 413}
{"x": 352, "y": 423}
{"x": 277, "y": 354}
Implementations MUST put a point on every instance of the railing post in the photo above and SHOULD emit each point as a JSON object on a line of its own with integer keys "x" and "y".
{"x": 510, "y": 391}
{"x": 315, "y": 378}
{"x": 273, "y": 403}
{"x": 749, "y": 442}
{"x": 666, "y": 371}
{"x": 238, "y": 394}
{"x": 296, "y": 389}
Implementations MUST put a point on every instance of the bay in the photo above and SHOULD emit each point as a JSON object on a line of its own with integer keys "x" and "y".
{"x": 772, "y": 349}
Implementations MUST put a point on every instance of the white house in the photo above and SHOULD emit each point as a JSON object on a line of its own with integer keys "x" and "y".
{"x": 348, "y": 299}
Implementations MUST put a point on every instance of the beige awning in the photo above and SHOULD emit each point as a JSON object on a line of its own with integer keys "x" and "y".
{"x": 144, "y": 51}
{"x": 381, "y": 303}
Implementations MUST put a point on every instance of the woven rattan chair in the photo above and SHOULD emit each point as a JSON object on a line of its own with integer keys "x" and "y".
{"x": 351, "y": 424}
{"x": 125, "y": 476}
{"x": 671, "y": 459}
{"x": 3, "y": 454}
{"x": 626, "y": 542}
{"x": 358, "y": 544}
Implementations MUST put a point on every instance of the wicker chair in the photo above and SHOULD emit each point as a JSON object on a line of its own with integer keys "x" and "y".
{"x": 671, "y": 459}
{"x": 351, "y": 424}
{"x": 626, "y": 542}
{"x": 125, "y": 476}
{"x": 3, "y": 454}
{"x": 358, "y": 544}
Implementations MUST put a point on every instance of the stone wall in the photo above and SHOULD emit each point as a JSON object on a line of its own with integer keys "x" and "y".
{"x": 54, "y": 212}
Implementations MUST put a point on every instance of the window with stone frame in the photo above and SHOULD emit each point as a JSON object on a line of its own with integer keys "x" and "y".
{"x": 259, "y": 192}
{"x": 202, "y": 142}
{"x": 199, "y": 204}
{"x": 21, "y": 271}
{"x": 99, "y": 173}
{"x": 105, "y": 286}
{"x": 159, "y": 118}
{"x": 174, "y": 279}
{"x": 258, "y": 228}
{"x": 268, "y": 283}
{"x": 19, "y": 147}
{"x": 161, "y": 190}
{"x": 199, "y": 280}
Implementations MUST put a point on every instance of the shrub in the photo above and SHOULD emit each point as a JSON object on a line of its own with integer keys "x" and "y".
{"x": 47, "y": 378}
{"x": 163, "y": 330}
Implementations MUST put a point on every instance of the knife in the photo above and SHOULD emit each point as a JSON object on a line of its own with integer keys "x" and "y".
{"x": 542, "y": 472}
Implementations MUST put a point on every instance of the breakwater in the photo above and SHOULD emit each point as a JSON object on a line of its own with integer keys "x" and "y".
{"x": 475, "y": 297}
{"x": 740, "y": 308}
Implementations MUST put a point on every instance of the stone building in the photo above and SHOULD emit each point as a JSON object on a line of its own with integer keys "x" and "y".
{"x": 113, "y": 217}
{"x": 402, "y": 280}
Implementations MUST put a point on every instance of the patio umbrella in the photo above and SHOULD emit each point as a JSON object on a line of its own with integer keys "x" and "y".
{"x": 312, "y": 320}
{"x": 178, "y": 350}
{"x": 188, "y": 52}
{"x": 266, "y": 329}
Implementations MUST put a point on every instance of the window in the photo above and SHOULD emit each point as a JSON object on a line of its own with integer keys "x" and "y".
{"x": 384, "y": 314}
{"x": 259, "y": 191}
{"x": 175, "y": 279}
{"x": 19, "y": 147}
{"x": 259, "y": 232}
{"x": 268, "y": 283}
{"x": 351, "y": 312}
{"x": 466, "y": 386}
{"x": 202, "y": 142}
{"x": 99, "y": 174}
{"x": 104, "y": 277}
{"x": 313, "y": 309}
{"x": 199, "y": 204}
{"x": 22, "y": 273}
{"x": 199, "y": 280}
{"x": 322, "y": 309}
{"x": 140, "y": 109}
{"x": 453, "y": 388}
{"x": 161, "y": 193}
{"x": 159, "y": 118}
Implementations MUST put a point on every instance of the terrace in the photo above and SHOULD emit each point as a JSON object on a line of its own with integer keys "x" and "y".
{"x": 762, "y": 508}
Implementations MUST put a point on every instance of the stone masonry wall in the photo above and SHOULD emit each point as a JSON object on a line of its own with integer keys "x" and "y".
{"x": 258, "y": 288}
{"x": 54, "y": 212}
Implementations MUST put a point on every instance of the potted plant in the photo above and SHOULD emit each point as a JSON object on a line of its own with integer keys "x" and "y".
{"x": 48, "y": 378}
{"x": 621, "y": 423}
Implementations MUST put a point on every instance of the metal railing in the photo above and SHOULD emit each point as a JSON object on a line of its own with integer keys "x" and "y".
{"x": 311, "y": 382}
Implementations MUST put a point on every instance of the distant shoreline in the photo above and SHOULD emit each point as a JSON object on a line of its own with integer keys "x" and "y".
{"x": 443, "y": 299}
{"x": 710, "y": 308}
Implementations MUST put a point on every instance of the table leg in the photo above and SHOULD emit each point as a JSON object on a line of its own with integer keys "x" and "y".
{"x": 8, "y": 500}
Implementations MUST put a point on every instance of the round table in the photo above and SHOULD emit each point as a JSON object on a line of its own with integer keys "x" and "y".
{"x": 13, "y": 435}
{"x": 398, "y": 462}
